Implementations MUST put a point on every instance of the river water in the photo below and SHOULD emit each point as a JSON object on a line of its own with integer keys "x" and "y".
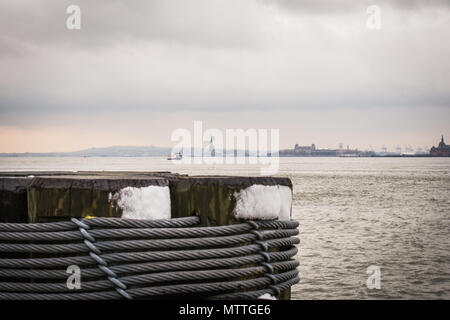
{"x": 392, "y": 213}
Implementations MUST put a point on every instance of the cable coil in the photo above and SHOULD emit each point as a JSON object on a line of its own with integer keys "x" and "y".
{"x": 141, "y": 259}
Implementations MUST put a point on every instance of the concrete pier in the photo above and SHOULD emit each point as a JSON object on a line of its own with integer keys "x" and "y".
{"x": 13, "y": 199}
{"x": 52, "y": 196}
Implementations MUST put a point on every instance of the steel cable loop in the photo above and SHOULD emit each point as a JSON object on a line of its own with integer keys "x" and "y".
{"x": 120, "y": 223}
{"x": 193, "y": 254}
{"x": 176, "y": 243}
{"x": 257, "y": 293}
{"x": 144, "y": 233}
{"x": 100, "y": 222}
{"x": 126, "y": 257}
{"x": 151, "y": 256}
{"x": 153, "y": 233}
{"x": 285, "y": 265}
{"x": 45, "y": 248}
{"x": 41, "y": 236}
{"x": 99, "y": 295}
{"x": 136, "y": 233}
{"x": 139, "y": 280}
{"x": 38, "y": 227}
{"x": 131, "y": 269}
{"x": 146, "y": 279}
{"x": 276, "y": 224}
{"x": 170, "y": 233}
{"x": 280, "y": 233}
{"x": 127, "y": 245}
{"x": 198, "y": 288}
{"x": 155, "y": 291}
{"x": 283, "y": 255}
{"x": 139, "y": 224}
{"x": 134, "y": 268}
{"x": 89, "y": 242}
{"x": 285, "y": 242}
{"x": 46, "y": 262}
{"x": 284, "y": 276}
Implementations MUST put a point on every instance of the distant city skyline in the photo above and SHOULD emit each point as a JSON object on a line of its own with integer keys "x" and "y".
{"x": 406, "y": 148}
{"x": 136, "y": 72}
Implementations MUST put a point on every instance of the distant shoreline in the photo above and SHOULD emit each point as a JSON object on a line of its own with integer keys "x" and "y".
{"x": 362, "y": 156}
{"x": 155, "y": 152}
{"x": 37, "y": 155}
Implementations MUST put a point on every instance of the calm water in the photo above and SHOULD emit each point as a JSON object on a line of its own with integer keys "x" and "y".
{"x": 392, "y": 213}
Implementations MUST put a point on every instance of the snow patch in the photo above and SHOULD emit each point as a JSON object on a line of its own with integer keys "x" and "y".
{"x": 267, "y": 296}
{"x": 151, "y": 202}
{"x": 264, "y": 202}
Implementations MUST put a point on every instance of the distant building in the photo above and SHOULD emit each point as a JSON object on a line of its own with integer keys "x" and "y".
{"x": 312, "y": 151}
{"x": 442, "y": 150}
{"x": 304, "y": 150}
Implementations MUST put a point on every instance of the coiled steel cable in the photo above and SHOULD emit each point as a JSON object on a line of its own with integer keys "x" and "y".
{"x": 100, "y": 222}
{"x": 143, "y": 279}
{"x": 154, "y": 291}
{"x": 257, "y": 293}
{"x": 244, "y": 249}
{"x": 154, "y": 244}
{"x": 154, "y": 233}
{"x": 124, "y": 257}
{"x": 56, "y": 274}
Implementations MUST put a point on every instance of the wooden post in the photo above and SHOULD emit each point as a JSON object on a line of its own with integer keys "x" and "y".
{"x": 60, "y": 197}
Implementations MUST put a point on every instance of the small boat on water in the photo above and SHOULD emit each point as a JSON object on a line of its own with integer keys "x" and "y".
{"x": 175, "y": 156}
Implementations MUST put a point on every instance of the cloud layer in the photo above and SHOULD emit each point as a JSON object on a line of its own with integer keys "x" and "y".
{"x": 300, "y": 59}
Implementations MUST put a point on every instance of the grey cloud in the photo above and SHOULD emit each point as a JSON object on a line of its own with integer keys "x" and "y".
{"x": 340, "y": 6}
{"x": 219, "y": 55}
{"x": 205, "y": 23}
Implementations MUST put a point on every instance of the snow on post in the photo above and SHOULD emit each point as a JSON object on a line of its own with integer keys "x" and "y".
{"x": 263, "y": 203}
{"x": 152, "y": 202}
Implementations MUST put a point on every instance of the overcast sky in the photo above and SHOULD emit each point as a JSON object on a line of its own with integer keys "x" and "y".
{"x": 137, "y": 70}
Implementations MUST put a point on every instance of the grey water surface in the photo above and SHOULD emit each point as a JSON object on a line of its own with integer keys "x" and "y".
{"x": 393, "y": 213}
